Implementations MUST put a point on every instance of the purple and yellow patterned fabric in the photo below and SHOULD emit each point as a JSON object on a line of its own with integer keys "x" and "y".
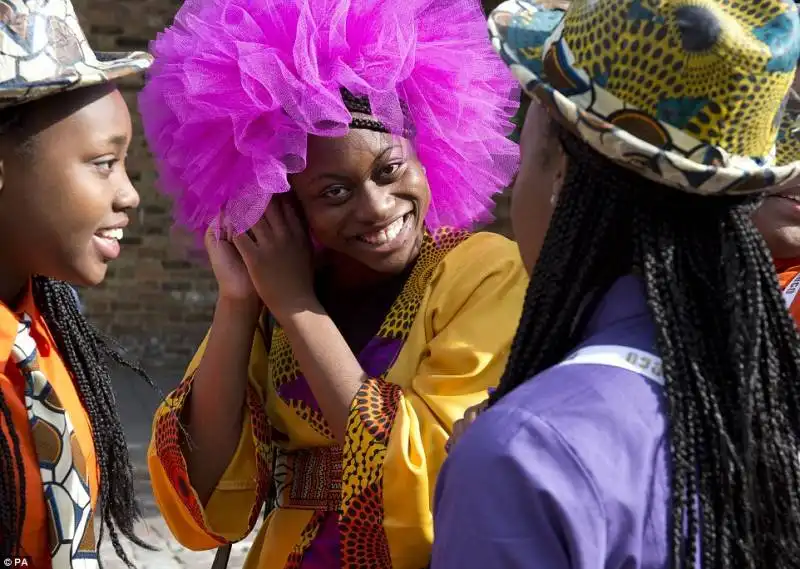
{"x": 366, "y": 503}
{"x": 689, "y": 93}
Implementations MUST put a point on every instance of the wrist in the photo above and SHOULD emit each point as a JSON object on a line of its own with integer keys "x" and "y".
{"x": 297, "y": 308}
{"x": 246, "y": 311}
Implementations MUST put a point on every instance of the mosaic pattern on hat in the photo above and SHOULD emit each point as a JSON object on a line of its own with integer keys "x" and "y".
{"x": 689, "y": 93}
{"x": 43, "y": 51}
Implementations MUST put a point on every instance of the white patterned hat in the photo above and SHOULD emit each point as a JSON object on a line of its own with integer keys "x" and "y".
{"x": 43, "y": 51}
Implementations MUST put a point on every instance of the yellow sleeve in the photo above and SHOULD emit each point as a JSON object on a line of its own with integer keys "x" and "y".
{"x": 398, "y": 426}
{"x": 234, "y": 507}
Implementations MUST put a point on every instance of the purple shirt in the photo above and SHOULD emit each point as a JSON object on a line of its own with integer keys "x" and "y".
{"x": 567, "y": 471}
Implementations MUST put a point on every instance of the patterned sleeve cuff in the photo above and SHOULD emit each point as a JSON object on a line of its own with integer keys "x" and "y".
{"x": 169, "y": 433}
{"x": 369, "y": 425}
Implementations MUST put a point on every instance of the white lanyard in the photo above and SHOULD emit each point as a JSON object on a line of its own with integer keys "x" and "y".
{"x": 623, "y": 357}
{"x": 791, "y": 290}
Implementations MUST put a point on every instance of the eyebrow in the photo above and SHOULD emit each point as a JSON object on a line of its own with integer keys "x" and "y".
{"x": 118, "y": 140}
{"x": 342, "y": 178}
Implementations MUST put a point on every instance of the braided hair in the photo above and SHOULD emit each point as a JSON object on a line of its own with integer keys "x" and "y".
{"x": 730, "y": 350}
{"x": 85, "y": 351}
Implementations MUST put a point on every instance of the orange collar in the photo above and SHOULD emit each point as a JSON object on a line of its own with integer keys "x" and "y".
{"x": 9, "y": 320}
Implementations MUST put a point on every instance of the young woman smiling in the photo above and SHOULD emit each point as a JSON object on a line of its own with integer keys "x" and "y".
{"x": 64, "y": 197}
{"x": 379, "y": 147}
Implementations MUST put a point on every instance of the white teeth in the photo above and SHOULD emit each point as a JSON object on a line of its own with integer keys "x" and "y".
{"x": 385, "y": 235}
{"x": 116, "y": 233}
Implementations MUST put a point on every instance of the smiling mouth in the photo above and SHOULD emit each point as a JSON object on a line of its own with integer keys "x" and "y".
{"x": 792, "y": 197}
{"x": 106, "y": 242}
{"x": 116, "y": 234}
{"x": 387, "y": 234}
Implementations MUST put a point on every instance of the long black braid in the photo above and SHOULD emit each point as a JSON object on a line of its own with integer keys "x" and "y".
{"x": 85, "y": 351}
{"x": 730, "y": 350}
{"x": 12, "y": 487}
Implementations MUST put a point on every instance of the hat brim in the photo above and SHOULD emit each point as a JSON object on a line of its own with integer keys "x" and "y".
{"x": 526, "y": 35}
{"x": 105, "y": 68}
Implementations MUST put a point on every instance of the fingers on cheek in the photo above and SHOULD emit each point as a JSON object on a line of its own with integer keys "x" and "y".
{"x": 260, "y": 231}
{"x": 211, "y": 240}
{"x": 245, "y": 245}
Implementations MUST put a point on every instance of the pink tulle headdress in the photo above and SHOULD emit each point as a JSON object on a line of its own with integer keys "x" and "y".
{"x": 238, "y": 86}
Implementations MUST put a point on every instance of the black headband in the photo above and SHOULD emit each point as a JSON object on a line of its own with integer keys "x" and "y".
{"x": 361, "y": 106}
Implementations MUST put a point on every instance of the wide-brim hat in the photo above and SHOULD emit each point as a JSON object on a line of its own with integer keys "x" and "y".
{"x": 689, "y": 93}
{"x": 43, "y": 51}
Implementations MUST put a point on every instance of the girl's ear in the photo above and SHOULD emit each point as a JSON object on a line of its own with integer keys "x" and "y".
{"x": 292, "y": 199}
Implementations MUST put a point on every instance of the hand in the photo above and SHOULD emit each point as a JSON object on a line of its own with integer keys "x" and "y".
{"x": 460, "y": 426}
{"x": 277, "y": 253}
{"x": 230, "y": 271}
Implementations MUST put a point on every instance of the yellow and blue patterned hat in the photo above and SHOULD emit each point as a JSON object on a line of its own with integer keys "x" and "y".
{"x": 689, "y": 93}
{"x": 43, "y": 51}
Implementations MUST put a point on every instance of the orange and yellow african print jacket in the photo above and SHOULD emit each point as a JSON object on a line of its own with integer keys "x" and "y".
{"x": 444, "y": 342}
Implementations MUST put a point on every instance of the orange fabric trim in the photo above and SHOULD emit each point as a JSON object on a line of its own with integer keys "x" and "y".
{"x": 168, "y": 435}
{"x": 784, "y": 278}
{"x": 361, "y": 522}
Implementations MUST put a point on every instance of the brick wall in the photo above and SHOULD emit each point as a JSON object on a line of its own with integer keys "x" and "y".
{"x": 154, "y": 301}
